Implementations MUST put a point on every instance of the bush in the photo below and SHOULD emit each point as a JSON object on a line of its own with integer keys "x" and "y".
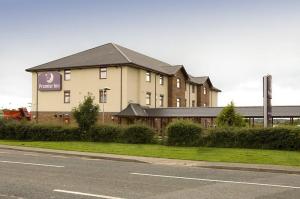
{"x": 86, "y": 114}
{"x": 138, "y": 134}
{"x": 34, "y": 132}
{"x": 184, "y": 133}
{"x": 105, "y": 133}
{"x": 229, "y": 118}
{"x": 259, "y": 138}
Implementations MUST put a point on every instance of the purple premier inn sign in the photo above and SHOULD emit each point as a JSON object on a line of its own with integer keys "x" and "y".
{"x": 49, "y": 81}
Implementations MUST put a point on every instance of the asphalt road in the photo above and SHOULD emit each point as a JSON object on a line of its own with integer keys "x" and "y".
{"x": 39, "y": 176}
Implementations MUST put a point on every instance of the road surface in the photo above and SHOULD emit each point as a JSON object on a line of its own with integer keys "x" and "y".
{"x": 27, "y": 175}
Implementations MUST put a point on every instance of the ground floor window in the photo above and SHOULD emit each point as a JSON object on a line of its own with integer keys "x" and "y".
{"x": 103, "y": 96}
{"x": 161, "y": 100}
{"x": 178, "y": 102}
{"x": 67, "y": 97}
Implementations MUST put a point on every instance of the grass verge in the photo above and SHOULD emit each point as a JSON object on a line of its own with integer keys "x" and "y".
{"x": 252, "y": 156}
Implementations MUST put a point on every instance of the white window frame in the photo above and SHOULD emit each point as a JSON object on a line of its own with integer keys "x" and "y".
{"x": 161, "y": 80}
{"x": 161, "y": 100}
{"x": 178, "y": 83}
{"x": 102, "y": 96}
{"x": 204, "y": 90}
{"x": 148, "y": 76}
{"x": 67, "y": 74}
{"x": 103, "y": 73}
{"x": 148, "y": 98}
{"x": 67, "y": 97}
{"x": 177, "y": 102}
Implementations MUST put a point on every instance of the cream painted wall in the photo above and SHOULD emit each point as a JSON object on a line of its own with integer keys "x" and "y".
{"x": 145, "y": 87}
{"x": 190, "y": 96}
{"x": 83, "y": 81}
{"x": 214, "y": 98}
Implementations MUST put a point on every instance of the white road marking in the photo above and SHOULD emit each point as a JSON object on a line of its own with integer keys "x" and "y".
{"x": 31, "y": 154}
{"x": 58, "y": 156}
{"x": 4, "y": 152}
{"x": 34, "y": 164}
{"x": 86, "y": 194}
{"x": 212, "y": 180}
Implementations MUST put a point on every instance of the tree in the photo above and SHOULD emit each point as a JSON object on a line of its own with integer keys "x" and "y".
{"x": 229, "y": 118}
{"x": 86, "y": 114}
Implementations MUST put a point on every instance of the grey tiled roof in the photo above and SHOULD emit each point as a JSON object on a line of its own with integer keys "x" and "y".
{"x": 107, "y": 54}
{"x": 134, "y": 110}
{"x": 250, "y": 111}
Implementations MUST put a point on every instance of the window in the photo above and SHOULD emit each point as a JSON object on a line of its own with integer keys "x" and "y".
{"x": 161, "y": 100}
{"x": 178, "y": 102}
{"x": 103, "y": 73}
{"x": 148, "y": 77}
{"x": 67, "y": 75}
{"x": 204, "y": 105}
{"x": 161, "y": 80}
{"x": 148, "y": 98}
{"x": 103, "y": 96}
{"x": 204, "y": 90}
{"x": 193, "y": 103}
{"x": 193, "y": 88}
{"x": 178, "y": 83}
{"x": 67, "y": 97}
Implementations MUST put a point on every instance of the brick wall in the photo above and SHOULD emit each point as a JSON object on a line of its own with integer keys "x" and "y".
{"x": 201, "y": 97}
{"x": 175, "y": 92}
{"x": 66, "y": 118}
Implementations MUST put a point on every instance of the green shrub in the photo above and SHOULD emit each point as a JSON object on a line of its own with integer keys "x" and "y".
{"x": 138, "y": 134}
{"x": 86, "y": 114}
{"x": 229, "y": 118}
{"x": 21, "y": 131}
{"x": 184, "y": 133}
{"x": 105, "y": 133}
{"x": 259, "y": 138}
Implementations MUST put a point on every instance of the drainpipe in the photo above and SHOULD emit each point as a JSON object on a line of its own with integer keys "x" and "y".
{"x": 37, "y": 97}
{"x": 189, "y": 95}
{"x": 121, "y": 90}
{"x": 155, "y": 91}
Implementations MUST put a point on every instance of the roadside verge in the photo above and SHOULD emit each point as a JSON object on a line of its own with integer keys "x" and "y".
{"x": 163, "y": 161}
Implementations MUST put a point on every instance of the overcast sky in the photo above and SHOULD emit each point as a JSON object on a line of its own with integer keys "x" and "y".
{"x": 233, "y": 42}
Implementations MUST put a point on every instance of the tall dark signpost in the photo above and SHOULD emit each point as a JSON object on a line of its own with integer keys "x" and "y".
{"x": 267, "y": 84}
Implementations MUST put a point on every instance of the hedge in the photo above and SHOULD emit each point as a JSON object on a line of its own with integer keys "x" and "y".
{"x": 184, "y": 133}
{"x": 138, "y": 134}
{"x": 105, "y": 133}
{"x": 99, "y": 133}
{"x": 287, "y": 138}
{"x": 34, "y": 132}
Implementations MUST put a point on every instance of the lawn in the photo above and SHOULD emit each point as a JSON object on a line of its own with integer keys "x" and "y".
{"x": 252, "y": 156}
